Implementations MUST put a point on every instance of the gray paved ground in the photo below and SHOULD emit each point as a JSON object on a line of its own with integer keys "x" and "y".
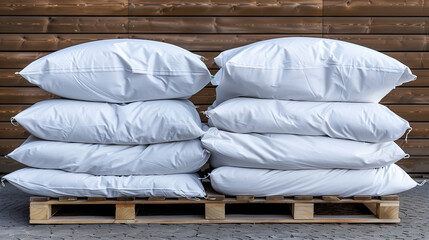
{"x": 414, "y": 215}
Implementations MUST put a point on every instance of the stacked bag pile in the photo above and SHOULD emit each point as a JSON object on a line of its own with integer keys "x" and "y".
{"x": 300, "y": 116}
{"x": 129, "y": 130}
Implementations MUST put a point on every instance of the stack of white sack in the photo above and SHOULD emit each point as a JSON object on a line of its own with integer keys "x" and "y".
{"x": 130, "y": 130}
{"x": 300, "y": 116}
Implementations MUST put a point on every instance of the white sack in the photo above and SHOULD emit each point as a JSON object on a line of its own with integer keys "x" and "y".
{"x": 346, "y": 183}
{"x": 310, "y": 69}
{"x": 119, "y": 71}
{"x": 92, "y": 122}
{"x": 100, "y": 159}
{"x": 295, "y": 152}
{"x": 367, "y": 122}
{"x": 57, "y": 183}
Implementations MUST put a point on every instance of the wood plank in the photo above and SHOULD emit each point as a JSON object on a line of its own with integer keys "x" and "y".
{"x": 19, "y": 59}
{"x": 420, "y": 130}
{"x": 331, "y": 198}
{"x": 416, "y": 60}
{"x": 376, "y": 25}
{"x": 45, "y": 24}
{"x": 48, "y": 42}
{"x": 24, "y": 95}
{"x": 67, "y": 199}
{"x": 7, "y": 130}
{"x": 22, "y": 59}
{"x": 192, "y": 42}
{"x": 8, "y": 145}
{"x": 8, "y": 165}
{"x": 225, "y": 25}
{"x": 415, "y": 147}
{"x": 395, "y": 8}
{"x": 415, "y": 164}
{"x": 64, "y": 7}
{"x": 407, "y": 96}
{"x": 408, "y": 112}
{"x": 39, "y": 199}
{"x": 8, "y": 111}
{"x": 30, "y": 95}
{"x": 421, "y": 81}
{"x": 226, "y": 8}
{"x": 8, "y": 78}
{"x": 386, "y": 42}
{"x": 390, "y": 197}
{"x": 205, "y": 42}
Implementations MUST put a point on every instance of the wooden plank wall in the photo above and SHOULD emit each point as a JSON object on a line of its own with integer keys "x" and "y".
{"x": 31, "y": 29}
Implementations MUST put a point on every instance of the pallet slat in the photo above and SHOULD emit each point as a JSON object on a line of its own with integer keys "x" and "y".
{"x": 385, "y": 210}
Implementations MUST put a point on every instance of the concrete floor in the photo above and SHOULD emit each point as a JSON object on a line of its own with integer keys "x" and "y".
{"x": 414, "y": 215}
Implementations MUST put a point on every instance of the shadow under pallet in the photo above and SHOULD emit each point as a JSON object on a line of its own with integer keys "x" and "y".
{"x": 216, "y": 208}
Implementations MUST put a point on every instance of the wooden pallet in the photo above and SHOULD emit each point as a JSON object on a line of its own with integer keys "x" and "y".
{"x": 44, "y": 210}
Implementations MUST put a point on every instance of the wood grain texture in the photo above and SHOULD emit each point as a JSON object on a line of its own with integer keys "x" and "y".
{"x": 45, "y": 24}
{"x": 8, "y": 78}
{"x": 8, "y": 165}
{"x": 7, "y": 130}
{"x": 375, "y": 8}
{"x": 407, "y": 96}
{"x": 415, "y": 147}
{"x": 226, "y": 8}
{"x": 8, "y": 145}
{"x": 30, "y": 95}
{"x": 417, "y": 113}
{"x": 386, "y": 42}
{"x": 376, "y": 25}
{"x": 64, "y": 7}
{"x": 415, "y": 60}
{"x": 205, "y": 42}
{"x": 415, "y": 164}
{"x": 225, "y": 25}
{"x": 194, "y": 42}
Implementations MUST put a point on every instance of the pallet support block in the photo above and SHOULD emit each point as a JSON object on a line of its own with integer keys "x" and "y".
{"x": 303, "y": 210}
{"x": 215, "y": 211}
{"x": 42, "y": 211}
{"x": 388, "y": 210}
{"x": 125, "y": 212}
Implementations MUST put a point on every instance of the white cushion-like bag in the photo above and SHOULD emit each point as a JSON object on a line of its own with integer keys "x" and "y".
{"x": 100, "y": 159}
{"x": 92, "y": 122}
{"x": 367, "y": 122}
{"x": 311, "y": 69}
{"x": 57, "y": 183}
{"x": 119, "y": 71}
{"x": 294, "y": 152}
{"x": 346, "y": 183}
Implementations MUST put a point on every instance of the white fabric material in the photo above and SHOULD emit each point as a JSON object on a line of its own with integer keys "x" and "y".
{"x": 295, "y": 152}
{"x": 100, "y": 159}
{"x": 346, "y": 183}
{"x": 367, "y": 122}
{"x": 120, "y": 71}
{"x": 91, "y": 122}
{"x": 57, "y": 183}
{"x": 310, "y": 69}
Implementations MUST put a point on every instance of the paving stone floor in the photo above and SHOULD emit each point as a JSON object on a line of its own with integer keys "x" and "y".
{"x": 414, "y": 214}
